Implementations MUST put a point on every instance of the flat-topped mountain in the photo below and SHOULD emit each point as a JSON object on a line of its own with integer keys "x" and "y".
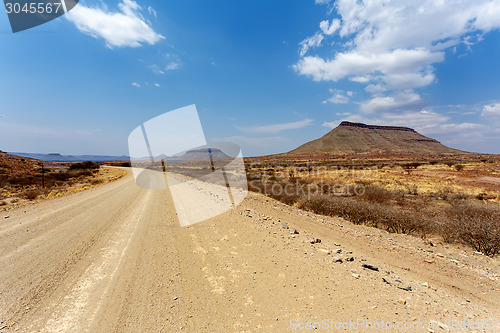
{"x": 196, "y": 154}
{"x": 356, "y": 138}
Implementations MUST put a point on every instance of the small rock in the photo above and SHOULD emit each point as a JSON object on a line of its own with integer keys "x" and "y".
{"x": 402, "y": 301}
{"x": 337, "y": 259}
{"x": 295, "y": 232}
{"x": 6, "y": 217}
{"x": 176, "y": 298}
{"x": 355, "y": 275}
{"x": 425, "y": 284}
{"x": 338, "y": 251}
{"x": 284, "y": 225}
{"x": 440, "y": 255}
{"x": 325, "y": 251}
{"x": 429, "y": 261}
{"x": 349, "y": 259}
{"x": 372, "y": 267}
{"x": 387, "y": 281}
{"x": 315, "y": 241}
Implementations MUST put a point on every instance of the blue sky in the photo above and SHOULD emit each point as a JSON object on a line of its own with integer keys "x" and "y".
{"x": 266, "y": 74}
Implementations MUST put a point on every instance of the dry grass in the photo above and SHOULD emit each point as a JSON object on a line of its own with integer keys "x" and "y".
{"x": 18, "y": 189}
{"x": 439, "y": 198}
{"x": 475, "y": 225}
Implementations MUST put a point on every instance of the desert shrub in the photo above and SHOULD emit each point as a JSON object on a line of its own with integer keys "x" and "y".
{"x": 31, "y": 194}
{"x": 61, "y": 176}
{"x": 96, "y": 181}
{"x": 405, "y": 222}
{"x": 476, "y": 226}
{"x": 459, "y": 167}
{"x": 369, "y": 213}
{"x": 459, "y": 196}
{"x": 84, "y": 165}
{"x": 481, "y": 196}
{"x": 412, "y": 189}
{"x": 22, "y": 181}
{"x": 443, "y": 193}
{"x": 377, "y": 194}
{"x": 413, "y": 165}
{"x": 4, "y": 180}
{"x": 79, "y": 173}
{"x": 410, "y": 166}
{"x": 449, "y": 163}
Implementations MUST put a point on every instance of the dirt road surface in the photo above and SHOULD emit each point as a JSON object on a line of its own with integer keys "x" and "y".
{"x": 114, "y": 259}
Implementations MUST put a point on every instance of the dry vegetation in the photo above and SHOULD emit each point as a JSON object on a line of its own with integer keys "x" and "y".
{"x": 22, "y": 179}
{"x": 456, "y": 201}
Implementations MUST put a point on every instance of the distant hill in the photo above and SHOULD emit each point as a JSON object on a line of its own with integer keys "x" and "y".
{"x": 55, "y": 157}
{"x": 197, "y": 154}
{"x": 12, "y": 165}
{"x": 356, "y": 138}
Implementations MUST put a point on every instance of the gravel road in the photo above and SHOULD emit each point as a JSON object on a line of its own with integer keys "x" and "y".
{"x": 114, "y": 259}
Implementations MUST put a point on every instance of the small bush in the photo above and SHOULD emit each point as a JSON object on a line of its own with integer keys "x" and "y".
{"x": 87, "y": 165}
{"x": 460, "y": 196}
{"x": 79, "y": 173}
{"x": 481, "y": 196}
{"x": 412, "y": 189}
{"x": 443, "y": 193}
{"x": 377, "y": 194}
{"x": 459, "y": 167}
{"x": 31, "y": 194}
{"x": 476, "y": 226}
{"x": 96, "y": 181}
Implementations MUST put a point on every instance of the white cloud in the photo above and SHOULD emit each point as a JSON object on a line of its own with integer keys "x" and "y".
{"x": 329, "y": 28}
{"x": 330, "y": 124}
{"x": 358, "y": 65}
{"x": 409, "y": 80}
{"x": 491, "y": 111}
{"x": 135, "y": 84}
{"x": 172, "y": 66}
{"x": 310, "y": 42}
{"x": 276, "y": 128}
{"x": 378, "y": 26}
{"x": 391, "y": 46}
{"x": 156, "y": 69}
{"x": 338, "y": 97}
{"x": 361, "y": 79}
{"x": 157, "y": 85}
{"x": 391, "y": 103}
{"x": 173, "y": 62}
{"x": 123, "y": 28}
{"x": 152, "y": 12}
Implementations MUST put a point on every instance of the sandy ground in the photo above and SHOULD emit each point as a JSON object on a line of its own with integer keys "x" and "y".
{"x": 114, "y": 259}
